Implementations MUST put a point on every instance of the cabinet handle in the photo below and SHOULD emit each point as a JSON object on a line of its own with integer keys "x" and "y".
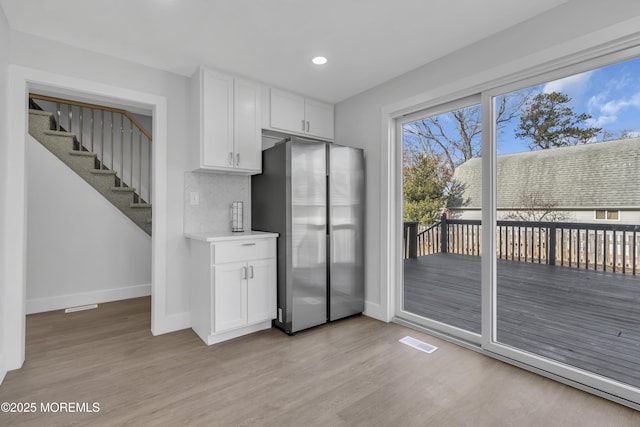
{"x": 303, "y": 125}
{"x": 237, "y": 159}
{"x": 230, "y": 158}
{"x": 251, "y": 272}
{"x": 307, "y": 126}
{"x": 244, "y": 272}
{"x": 248, "y": 244}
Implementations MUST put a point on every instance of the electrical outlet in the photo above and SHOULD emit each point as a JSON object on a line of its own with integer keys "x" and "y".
{"x": 194, "y": 198}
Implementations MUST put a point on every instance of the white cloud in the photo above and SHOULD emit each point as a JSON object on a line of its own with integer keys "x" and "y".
{"x": 614, "y": 106}
{"x": 602, "y": 120}
{"x": 607, "y": 111}
{"x": 575, "y": 83}
{"x": 597, "y": 101}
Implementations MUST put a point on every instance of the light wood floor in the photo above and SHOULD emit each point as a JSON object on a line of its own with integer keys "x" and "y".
{"x": 350, "y": 373}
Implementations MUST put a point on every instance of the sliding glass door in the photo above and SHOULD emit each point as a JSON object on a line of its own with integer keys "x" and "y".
{"x": 441, "y": 252}
{"x": 567, "y": 213}
{"x": 521, "y": 222}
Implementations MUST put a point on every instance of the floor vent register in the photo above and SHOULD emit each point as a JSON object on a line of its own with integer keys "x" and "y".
{"x": 417, "y": 344}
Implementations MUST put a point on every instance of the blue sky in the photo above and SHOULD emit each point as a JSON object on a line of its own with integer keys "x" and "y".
{"x": 611, "y": 95}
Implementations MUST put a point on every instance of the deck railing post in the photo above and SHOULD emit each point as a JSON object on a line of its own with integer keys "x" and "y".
{"x": 443, "y": 234}
{"x": 411, "y": 234}
{"x": 552, "y": 245}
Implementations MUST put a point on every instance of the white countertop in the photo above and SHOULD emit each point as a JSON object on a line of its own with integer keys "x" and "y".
{"x": 221, "y": 237}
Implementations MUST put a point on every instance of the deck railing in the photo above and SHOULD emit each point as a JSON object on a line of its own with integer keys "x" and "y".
{"x": 605, "y": 247}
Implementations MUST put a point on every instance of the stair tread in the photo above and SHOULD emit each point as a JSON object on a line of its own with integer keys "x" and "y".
{"x": 82, "y": 153}
{"x": 140, "y": 205}
{"x": 102, "y": 172}
{"x": 40, "y": 112}
{"x": 123, "y": 189}
{"x": 58, "y": 133}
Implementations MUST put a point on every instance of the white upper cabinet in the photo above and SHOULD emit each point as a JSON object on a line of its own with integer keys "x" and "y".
{"x": 229, "y": 123}
{"x": 319, "y": 118}
{"x": 299, "y": 115}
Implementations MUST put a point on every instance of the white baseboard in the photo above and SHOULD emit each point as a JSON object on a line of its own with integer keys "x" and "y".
{"x": 39, "y": 305}
{"x": 3, "y": 368}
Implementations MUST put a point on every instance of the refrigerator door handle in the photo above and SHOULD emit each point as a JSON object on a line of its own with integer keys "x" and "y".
{"x": 251, "y": 272}
{"x": 244, "y": 273}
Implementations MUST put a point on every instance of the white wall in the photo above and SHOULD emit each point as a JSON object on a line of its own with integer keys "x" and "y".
{"x": 4, "y": 61}
{"x": 41, "y": 54}
{"x": 80, "y": 248}
{"x": 361, "y": 120}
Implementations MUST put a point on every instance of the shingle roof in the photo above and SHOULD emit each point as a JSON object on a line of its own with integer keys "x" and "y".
{"x": 596, "y": 175}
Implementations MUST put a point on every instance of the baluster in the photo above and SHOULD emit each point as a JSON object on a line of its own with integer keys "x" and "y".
{"x": 101, "y": 139}
{"x": 635, "y": 254}
{"x": 624, "y": 252}
{"x": 131, "y": 154}
{"x": 81, "y": 128}
{"x": 140, "y": 163}
{"x": 58, "y": 116}
{"x": 69, "y": 121}
{"x": 92, "y": 129}
{"x": 112, "y": 156}
{"x": 121, "y": 150}
{"x": 149, "y": 171}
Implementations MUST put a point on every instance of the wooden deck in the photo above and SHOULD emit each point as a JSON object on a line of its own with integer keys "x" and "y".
{"x": 586, "y": 319}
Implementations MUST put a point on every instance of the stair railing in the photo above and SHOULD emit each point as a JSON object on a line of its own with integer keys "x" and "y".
{"x": 116, "y": 137}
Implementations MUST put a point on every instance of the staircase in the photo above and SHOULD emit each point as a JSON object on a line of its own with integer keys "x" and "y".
{"x": 91, "y": 165}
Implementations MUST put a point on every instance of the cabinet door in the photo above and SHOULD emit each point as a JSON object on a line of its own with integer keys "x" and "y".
{"x": 319, "y": 117}
{"x": 287, "y": 111}
{"x": 217, "y": 120}
{"x": 247, "y": 125}
{"x": 261, "y": 292}
{"x": 230, "y": 296}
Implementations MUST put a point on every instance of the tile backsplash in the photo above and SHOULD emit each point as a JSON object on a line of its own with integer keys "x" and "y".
{"x": 216, "y": 192}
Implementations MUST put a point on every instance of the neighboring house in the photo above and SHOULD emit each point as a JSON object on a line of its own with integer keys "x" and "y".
{"x": 595, "y": 183}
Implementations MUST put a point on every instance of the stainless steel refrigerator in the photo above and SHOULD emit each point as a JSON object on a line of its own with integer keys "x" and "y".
{"x": 312, "y": 194}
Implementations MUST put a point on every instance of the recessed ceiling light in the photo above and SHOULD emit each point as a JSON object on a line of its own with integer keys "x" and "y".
{"x": 319, "y": 60}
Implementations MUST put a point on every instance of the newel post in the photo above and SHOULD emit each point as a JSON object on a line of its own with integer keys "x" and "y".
{"x": 552, "y": 245}
{"x": 411, "y": 236}
{"x": 443, "y": 233}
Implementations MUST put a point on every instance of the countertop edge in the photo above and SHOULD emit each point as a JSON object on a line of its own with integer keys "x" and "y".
{"x": 217, "y": 237}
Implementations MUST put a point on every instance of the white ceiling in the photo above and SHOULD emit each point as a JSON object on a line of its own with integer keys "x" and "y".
{"x": 367, "y": 41}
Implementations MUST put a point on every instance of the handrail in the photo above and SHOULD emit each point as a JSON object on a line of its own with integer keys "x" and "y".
{"x": 596, "y": 246}
{"x": 95, "y": 107}
{"x": 429, "y": 228}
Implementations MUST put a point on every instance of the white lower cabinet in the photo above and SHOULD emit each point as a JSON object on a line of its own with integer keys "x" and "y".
{"x": 233, "y": 289}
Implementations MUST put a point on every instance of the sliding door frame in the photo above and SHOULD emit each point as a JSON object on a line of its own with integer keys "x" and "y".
{"x": 489, "y": 217}
{"x": 441, "y": 327}
{"x": 394, "y": 116}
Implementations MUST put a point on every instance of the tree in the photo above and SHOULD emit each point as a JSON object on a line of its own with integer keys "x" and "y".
{"x": 534, "y": 206}
{"x": 457, "y": 135}
{"x": 549, "y": 122}
{"x": 426, "y": 180}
